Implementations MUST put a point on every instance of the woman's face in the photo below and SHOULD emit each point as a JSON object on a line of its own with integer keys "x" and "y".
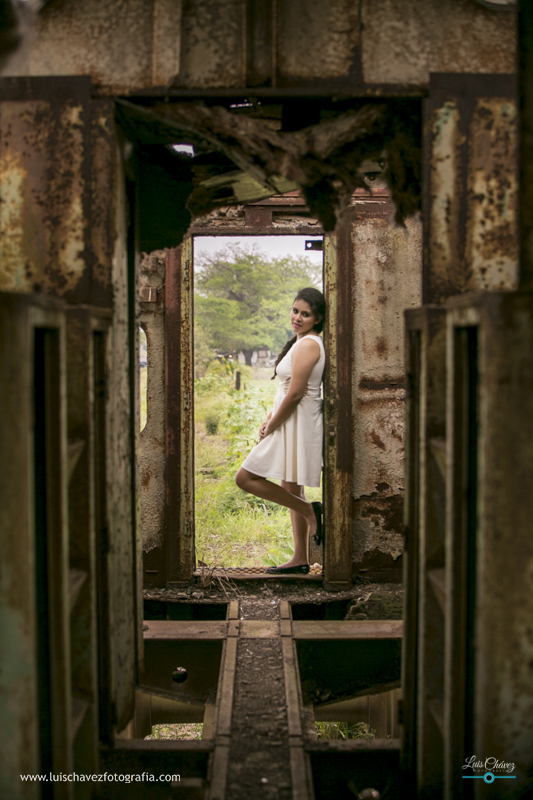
{"x": 302, "y": 318}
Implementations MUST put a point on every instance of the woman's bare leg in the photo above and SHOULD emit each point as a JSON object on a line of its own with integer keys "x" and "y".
{"x": 261, "y": 487}
{"x": 300, "y": 529}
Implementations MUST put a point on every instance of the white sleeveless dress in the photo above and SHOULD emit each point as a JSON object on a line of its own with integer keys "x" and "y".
{"x": 293, "y": 452}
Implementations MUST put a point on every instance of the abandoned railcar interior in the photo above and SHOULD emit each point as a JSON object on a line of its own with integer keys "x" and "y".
{"x": 397, "y": 137}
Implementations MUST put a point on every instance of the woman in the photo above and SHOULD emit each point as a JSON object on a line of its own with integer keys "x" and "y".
{"x": 290, "y": 439}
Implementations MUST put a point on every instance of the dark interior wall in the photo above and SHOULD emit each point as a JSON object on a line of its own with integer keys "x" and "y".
{"x": 165, "y": 183}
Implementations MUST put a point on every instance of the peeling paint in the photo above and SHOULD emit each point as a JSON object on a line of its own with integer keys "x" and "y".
{"x": 492, "y": 239}
{"x": 24, "y": 236}
{"x": 445, "y": 193}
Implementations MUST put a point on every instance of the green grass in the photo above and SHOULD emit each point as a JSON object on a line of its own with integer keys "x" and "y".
{"x": 343, "y": 730}
{"x": 234, "y": 529}
{"x": 181, "y": 730}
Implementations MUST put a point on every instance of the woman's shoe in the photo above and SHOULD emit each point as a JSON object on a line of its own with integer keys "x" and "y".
{"x": 299, "y": 569}
{"x": 320, "y": 531}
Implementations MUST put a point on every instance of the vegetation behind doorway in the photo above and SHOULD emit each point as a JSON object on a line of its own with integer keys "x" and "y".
{"x": 243, "y": 293}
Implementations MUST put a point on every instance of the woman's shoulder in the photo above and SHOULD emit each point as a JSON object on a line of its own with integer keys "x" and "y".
{"x": 312, "y": 338}
{"x": 312, "y": 344}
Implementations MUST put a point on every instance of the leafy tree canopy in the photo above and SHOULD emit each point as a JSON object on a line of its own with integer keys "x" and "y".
{"x": 243, "y": 297}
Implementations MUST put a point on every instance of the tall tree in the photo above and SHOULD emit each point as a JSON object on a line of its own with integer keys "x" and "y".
{"x": 243, "y": 297}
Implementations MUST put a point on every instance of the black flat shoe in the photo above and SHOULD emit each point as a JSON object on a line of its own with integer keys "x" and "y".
{"x": 300, "y": 569}
{"x": 319, "y": 535}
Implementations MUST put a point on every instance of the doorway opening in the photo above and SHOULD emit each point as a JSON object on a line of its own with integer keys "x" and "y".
{"x": 244, "y": 289}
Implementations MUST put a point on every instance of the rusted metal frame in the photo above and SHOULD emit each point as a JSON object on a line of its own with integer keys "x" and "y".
{"x": 179, "y": 414}
{"x": 218, "y": 765}
{"x": 21, "y": 600}
{"x": 461, "y": 534}
{"x": 353, "y": 629}
{"x": 427, "y": 324}
{"x": 525, "y": 88}
{"x": 461, "y": 91}
{"x": 315, "y": 91}
{"x": 301, "y": 778}
{"x": 411, "y": 522}
{"x": 51, "y": 530}
{"x": 234, "y": 230}
{"x": 504, "y": 543}
{"x": 259, "y": 41}
{"x": 59, "y": 190}
{"x": 133, "y": 336}
{"x": 100, "y": 359}
{"x": 81, "y": 404}
{"x": 338, "y": 447}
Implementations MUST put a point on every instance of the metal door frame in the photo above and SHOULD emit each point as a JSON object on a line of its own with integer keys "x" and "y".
{"x": 179, "y": 409}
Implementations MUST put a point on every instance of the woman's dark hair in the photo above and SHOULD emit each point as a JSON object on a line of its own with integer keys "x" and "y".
{"x": 316, "y": 300}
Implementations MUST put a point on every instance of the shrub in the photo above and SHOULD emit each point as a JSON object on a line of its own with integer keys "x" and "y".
{"x": 211, "y": 424}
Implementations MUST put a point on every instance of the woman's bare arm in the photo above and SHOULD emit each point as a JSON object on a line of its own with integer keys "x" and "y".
{"x": 303, "y": 361}
{"x": 263, "y": 427}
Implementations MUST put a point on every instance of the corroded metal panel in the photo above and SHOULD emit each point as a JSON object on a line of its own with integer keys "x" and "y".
{"x": 499, "y": 699}
{"x": 103, "y": 199}
{"x": 44, "y": 163}
{"x": 288, "y": 214}
{"x": 124, "y": 619}
{"x": 423, "y": 653}
{"x": 18, "y": 667}
{"x": 337, "y": 409}
{"x": 492, "y": 196}
{"x": 34, "y": 669}
{"x": 24, "y": 235}
{"x": 152, "y": 451}
{"x": 387, "y": 279}
{"x": 317, "y": 41}
{"x": 406, "y": 41}
{"x": 470, "y": 185}
{"x": 179, "y": 413}
{"x": 355, "y": 46}
{"x": 213, "y": 44}
{"x": 525, "y": 88}
{"x": 122, "y": 46}
{"x": 444, "y": 166}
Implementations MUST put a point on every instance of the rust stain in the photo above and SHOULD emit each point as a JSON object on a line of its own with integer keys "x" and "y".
{"x": 146, "y": 478}
{"x": 377, "y": 441}
{"x": 382, "y": 347}
{"x": 103, "y": 198}
{"x": 446, "y": 263}
{"x": 66, "y": 263}
{"x": 24, "y": 235}
{"x": 388, "y": 510}
{"x": 382, "y": 383}
{"x": 492, "y": 229}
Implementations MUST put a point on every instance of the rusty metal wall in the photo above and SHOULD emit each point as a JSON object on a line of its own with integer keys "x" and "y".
{"x": 498, "y": 692}
{"x": 122, "y": 565}
{"x": 44, "y": 164}
{"x": 123, "y": 45}
{"x": 470, "y": 185}
{"x": 152, "y": 445}
{"x": 354, "y": 46}
{"x": 403, "y": 42}
{"x": 63, "y": 233}
{"x": 387, "y": 279}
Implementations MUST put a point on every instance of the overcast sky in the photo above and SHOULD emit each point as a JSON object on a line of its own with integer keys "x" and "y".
{"x": 272, "y": 246}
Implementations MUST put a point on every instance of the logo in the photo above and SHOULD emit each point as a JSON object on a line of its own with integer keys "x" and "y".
{"x": 491, "y": 767}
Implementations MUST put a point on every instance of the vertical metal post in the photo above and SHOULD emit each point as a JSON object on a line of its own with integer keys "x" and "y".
{"x": 525, "y": 89}
{"x": 338, "y": 460}
{"x": 179, "y": 413}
